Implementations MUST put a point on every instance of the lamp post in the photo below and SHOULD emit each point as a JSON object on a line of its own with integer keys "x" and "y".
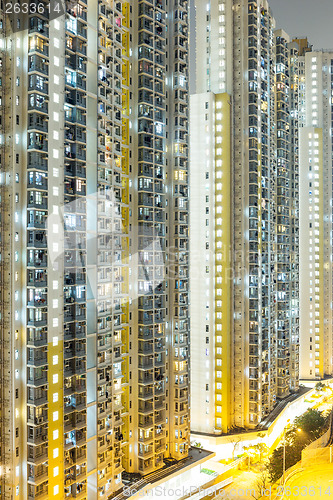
{"x": 284, "y": 451}
{"x": 284, "y": 448}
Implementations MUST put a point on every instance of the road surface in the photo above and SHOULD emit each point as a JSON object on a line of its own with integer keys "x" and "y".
{"x": 315, "y": 482}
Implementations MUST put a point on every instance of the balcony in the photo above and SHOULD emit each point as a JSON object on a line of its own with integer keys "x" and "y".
{"x": 37, "y": 161}
{"x": 145, "y": 408}
{"x": 35, "y": 261}
{"x": 37, "y": 239}
{"x": 37, "y": 381}
{"x": 37, "y": 122}
{"x": 38, "y": 321}
{"x": 37, "y": 455}
{"x": 145, "y": 379}
{"x": 37, "y": 42}
{"x": 38, "y": 26}
{"x": 40, "y": 105}
{"x": 37, "y": 279}
{"x": 37, "y": 401}
{"x": 75, "y": 278}
{"x": 37, "y": 339}
{"x": 37, "y": 142}
{"x": 37, "y": 359}
{"x": 41, "y": 494}
{"x": 76, "y": 63}
{"x": 37, "y": 478}
{"x": 36, "y": 220}
{"x": 37, "y": 417}
{"x": 37, "y": 181}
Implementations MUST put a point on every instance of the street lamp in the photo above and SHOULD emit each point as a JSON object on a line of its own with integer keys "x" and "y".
{"x": 284, "y": 450}
{"x": 284, "y": 447}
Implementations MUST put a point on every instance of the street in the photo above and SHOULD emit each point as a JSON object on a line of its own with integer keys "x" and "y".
{"x": 242, "y": 488}
{"x": 315, "y": 482}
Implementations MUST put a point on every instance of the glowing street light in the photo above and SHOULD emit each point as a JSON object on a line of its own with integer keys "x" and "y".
{"x": 284, "y": 446}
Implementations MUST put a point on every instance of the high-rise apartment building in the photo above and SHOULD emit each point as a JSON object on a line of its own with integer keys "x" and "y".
{"x": 94, "y": 245}
{"x": 316, "y": 217}
{"x": 159, "y": 238}
{"x": 244, "y": 216}
{"x": 303, "y": 47}
{"x": 287, "y": 213}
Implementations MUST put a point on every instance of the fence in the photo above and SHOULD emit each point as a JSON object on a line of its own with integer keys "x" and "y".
{"x": 317, "y": 456}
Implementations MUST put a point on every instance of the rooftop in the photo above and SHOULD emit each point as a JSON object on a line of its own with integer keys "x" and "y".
{"x": 137, "y": 482}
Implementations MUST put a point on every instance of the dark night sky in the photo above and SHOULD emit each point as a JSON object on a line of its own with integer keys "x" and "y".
{"x": 311, "y": 18}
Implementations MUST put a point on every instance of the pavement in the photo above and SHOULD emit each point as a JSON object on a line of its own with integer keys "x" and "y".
{"x": 315, "y": 482}
{"x": 243, "y": 487}
{"x": 280, "y": 406}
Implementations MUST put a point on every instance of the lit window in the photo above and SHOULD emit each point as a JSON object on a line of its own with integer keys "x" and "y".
{"x": 55, "y": 416}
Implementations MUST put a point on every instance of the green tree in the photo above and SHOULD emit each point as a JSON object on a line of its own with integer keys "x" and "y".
{"x": 256, "y": 452}
{"x": 311, "y": 423}
{"x": 320, "y": 386}
{"x": 275, "y": 462}
{"x": 262, "y": 450}
{"x": 261, "y": 484}
{"x": 234, "y": 441}
{"x": 306, "y": 428}
{"x": 196, "y": 444}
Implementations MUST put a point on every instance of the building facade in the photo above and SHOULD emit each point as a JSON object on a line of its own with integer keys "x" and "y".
{"x": 244, "y": 190}
{"x": 316, "y": 217}
{"x": 287, "y": 218}
{"x": 94, "y": 246}
{"x": 303, "y": 46}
